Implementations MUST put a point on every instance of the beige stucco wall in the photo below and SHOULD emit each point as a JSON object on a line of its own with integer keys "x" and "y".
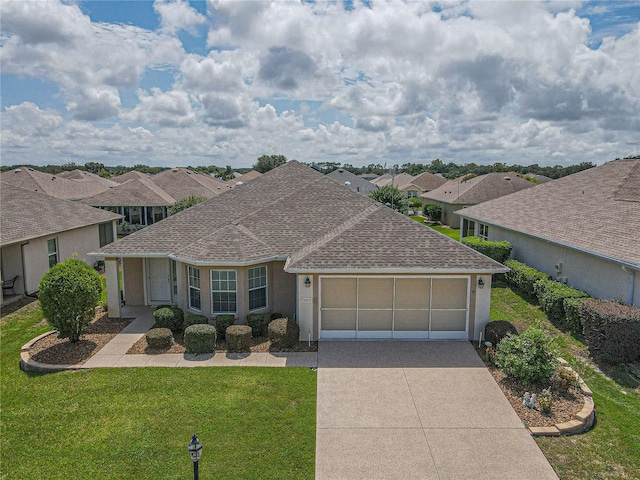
{"x": 11, "y": 265}
{"x": 133, "y": 281}
{"x": 599, "y": 278}
{"x": 448, "y": 209}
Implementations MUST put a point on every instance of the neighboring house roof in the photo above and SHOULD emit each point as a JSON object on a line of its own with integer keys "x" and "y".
{"x": 182, "y": 182}
{"x": 132, "y": 193}
{"x": 396, "y": 180}
{"x": 129, "y": 176}
{"x": 297, "y": 213}
{"x": 52, "y": 185}
{"x": 596, "y": 210}
{"x": 27, "y": 214}
{"x": 424, "y": 182}
{"x": 478, "y": 189}
{"x": 354, "y": 182}
{"x": 82, "y": 176}
{"x": 369, "y": 176}
{"x": 241, "y": 179}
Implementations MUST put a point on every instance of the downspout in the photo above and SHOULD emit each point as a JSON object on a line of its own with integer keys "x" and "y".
{"x": 632, "y": 283}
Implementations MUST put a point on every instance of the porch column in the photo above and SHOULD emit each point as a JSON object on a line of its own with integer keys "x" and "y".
{"x": 113, "y": 287}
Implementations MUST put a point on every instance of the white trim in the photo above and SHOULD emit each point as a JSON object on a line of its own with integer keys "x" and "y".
{"x": 411, "y": 335}
{"x": 189, "y": 287}
{"x": 266, "y": 288}
{"x": 211, "y": 290}
{"x": 444, "y": 335}
{"x": 397, "y": 271}
{"x": 337, "y": 334}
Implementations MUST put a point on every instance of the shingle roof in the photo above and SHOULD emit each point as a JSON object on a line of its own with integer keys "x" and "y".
{"x": 133, "y": 174}
{"x": 355, "y": 182}
{"x": 52, "y": 185}
{"x": 182, "y": 182}
{"x": 387, "y": 179}
{"x": 244, "y": 178}
{"x": 425, "y": 182}
{"x": 82, "y": 176}
{"x": 27, "y": 214}
{"x": 136, "y": 192}
{"x": 294, "y": 211}
{"x": 596, "y": 210}
{"x": 478, "y": 189}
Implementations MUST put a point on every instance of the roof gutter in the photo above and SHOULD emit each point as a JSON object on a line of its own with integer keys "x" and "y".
{"x": 398, "y": 270}
{"x": 245, "y": 263}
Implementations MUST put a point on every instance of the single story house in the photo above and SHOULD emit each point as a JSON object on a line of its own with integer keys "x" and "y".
{"x": 84, "y": 176}
{"x": 425, "y": 182}
{"x": 244, "y": 178}
{"x": 52, "y": 185}
{"x": 470, "y": 190}
{"x": 581, "y": 229}
{"x": 295, "y": 242}
{"x": 37, "y": 231}
{"x": 352, "y": 181}
{"x": 131, "y": 175}
{"x": 392, "y": 179}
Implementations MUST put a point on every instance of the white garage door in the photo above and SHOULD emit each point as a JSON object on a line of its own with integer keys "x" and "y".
{"x": 394, "y": 307}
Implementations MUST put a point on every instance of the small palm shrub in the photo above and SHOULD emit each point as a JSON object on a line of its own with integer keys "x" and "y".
{"x": 200, "y": 338}
{"x": 238, "y": 338}
{"x": 159, "y": 338}
{"x": 528, "y": 357}
{"x": 222, "y": 322}
{"x": 170, "y": 317}
{"x": 284, "y": 333}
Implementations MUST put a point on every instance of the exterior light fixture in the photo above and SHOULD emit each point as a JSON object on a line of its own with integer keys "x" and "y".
{"x": 307, "y": 282}
{"x": 480, "y": 282}
{"x": 195, "y": 449}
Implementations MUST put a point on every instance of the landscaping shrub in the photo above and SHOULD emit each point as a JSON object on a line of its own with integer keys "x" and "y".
{"x": 572, "y": 314}
{"x": 222, "y": 322}
{"x": 528, "y": 357}
{"x": 258, "y": 323}
{"x": 170, "y": 317}
{"x": 522, "y": 278}
{"x": 200, "y": 338}
{"x": 159, "y": 338}
{"x": 545, "y": 401}
{"x": 551, "y": 297}
{"x": 193, "y": 319}
{"x": 563, "y": 379}
{"x": 275, "y": 315}
{"x": 611, "y": 330}
{"x": 238, "y": 338}
{"x": 433, "y": 211}
{"x": 69, "y": 292}
{"x": 284, "y": 333}
{"x": 499, "y": 251}
{"x": 495, "y": 331}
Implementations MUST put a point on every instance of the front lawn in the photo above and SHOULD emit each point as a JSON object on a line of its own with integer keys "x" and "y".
{"x": 611, "y": 450}
{"x": 448, "y": 231}
{"x": 136, "y": 423}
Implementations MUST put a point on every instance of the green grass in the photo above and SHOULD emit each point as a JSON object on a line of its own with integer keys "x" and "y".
{"x": 136, "y": 423}
{"x": 449, "y": 232}
{"x": 611, "y": 450}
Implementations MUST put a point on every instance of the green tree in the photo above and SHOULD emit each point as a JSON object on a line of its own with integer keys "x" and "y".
{"x": 69, "y": 293}
{"x": 93, "y": 167}
{"x": 433, "y": 211}
{"x": 185, "y": 203}
{"x": 390, "y": 196}
{"x": 269, "y": 162}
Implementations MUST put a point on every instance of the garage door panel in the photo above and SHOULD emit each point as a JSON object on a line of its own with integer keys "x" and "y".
{"x": 375, "y": 320}
{"x": 448, "y": 320}
{"x": 412, "y": 293}
{"x": 449, "y": 293}
{"x": 375, "y": 293}
{"x": 339, "y": 292}
{"x": 411, "y": 321}
{"x": 339, "y": 320}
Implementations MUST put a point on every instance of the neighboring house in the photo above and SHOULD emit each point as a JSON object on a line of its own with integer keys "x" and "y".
{"x": 53, "y": 185}
{"x": 368, "y": 176}
{"x": 425, "y": 182}
{"x": 182, "y": 182}
{"x": 242, "y": 179}
{"x": 295, "y": 242}
{"x": 83, "y": 176}
{"x": 37, "y": 231}
{"x": 131, "y": 175}
{"x": 352, "y": 181}
{"x": 581, "y": 229}
{"x": 395, "y": 180}
{"x": 470, "y": 190}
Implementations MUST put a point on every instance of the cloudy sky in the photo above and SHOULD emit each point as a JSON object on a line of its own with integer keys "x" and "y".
{"x": 223, "y": 82}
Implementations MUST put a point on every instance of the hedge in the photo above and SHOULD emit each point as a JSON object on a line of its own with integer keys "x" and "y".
{"x": 193, "y": 319}
{"x": 222, "y": 322}
{"x": 611, "y": 330}
{"x": 499, "y": 251}
{"x": 159, "y": 338}
{"x": 200, "y": 338}
{"x": 552, "y": 297}
{"x": 168, "y": 316}
{"x": 522, "y": 278}
{"x": 258, "y": 323}
{"x": 238, "y": 338}
{"x": 284, "y": 333}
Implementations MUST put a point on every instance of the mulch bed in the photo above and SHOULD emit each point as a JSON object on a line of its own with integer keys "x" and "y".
{"x": 258, "y": 345}
{"x": 563, "y": 408}
{"x": 58, "y": 351}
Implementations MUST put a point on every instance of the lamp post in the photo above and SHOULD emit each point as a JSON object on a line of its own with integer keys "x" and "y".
{"x": 195, "y": 449}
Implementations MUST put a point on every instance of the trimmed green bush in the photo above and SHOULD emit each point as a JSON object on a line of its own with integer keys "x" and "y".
{"x": 551, "y": 297}
{"x": 238, "y": 338}
{"x": 572, "y": 314}
{"x": 222, "y": 322}
{"x": 611, "y": 330}
{"x": 193, "y": 319}
{"x": 433, "y": 211}
{"x": 69, "y": 292}
{"x": 522, "y": 278}
{"x": 563, "y": 380}
{"x": 284, "y": 333}
{"x": 499, "y": 251}
{"x": 258, "y": 323}
{"x": 200, "y": 338}
{"x": 496, "y": 330}
{"x": 170, "y": 317}
{"x": 528, "y": 357}
{"x": 159, "y": 338}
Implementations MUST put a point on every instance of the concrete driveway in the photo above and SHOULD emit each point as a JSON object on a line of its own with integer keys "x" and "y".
{"x": 417, "y": 410}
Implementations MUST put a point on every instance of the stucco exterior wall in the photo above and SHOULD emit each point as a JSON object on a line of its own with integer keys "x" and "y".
{"x": 133, "y": 281}
{"x": 282, "y": 294}
{"x": 11, "y": 264}
{"x": 448, "y": 215}
{"x": 598, "y": 277}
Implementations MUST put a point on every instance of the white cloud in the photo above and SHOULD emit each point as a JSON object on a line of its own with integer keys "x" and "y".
{"x": 178, "y": 15}
{"x": 165, "y": 109}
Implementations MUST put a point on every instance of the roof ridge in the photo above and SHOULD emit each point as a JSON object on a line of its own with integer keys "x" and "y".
{"x": 249, "y": 233}
{"x": 634, "y": 170}
{"x": 157, "y": 189}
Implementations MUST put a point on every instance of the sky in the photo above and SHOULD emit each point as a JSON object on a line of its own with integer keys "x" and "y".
{"x": 175, "y": 83}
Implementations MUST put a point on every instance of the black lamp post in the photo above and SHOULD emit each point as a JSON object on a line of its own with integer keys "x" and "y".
{"x": 195, "y": 449}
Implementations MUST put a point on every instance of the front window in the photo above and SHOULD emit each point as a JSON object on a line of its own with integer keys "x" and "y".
{"x": 257, "y": 288}
{"x": 224, "y": 291}
{"x": 52, "y": 247}
{"x": 194, "y": 288}
{"x": 105, "y": 231}
{"x": 483, "y": 231}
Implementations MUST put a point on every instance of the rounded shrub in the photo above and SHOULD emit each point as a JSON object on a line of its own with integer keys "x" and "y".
{"x": 193, "y": 319}
{"x": 284, "y": 333}
{"x": 276, "y": 315}
{"x": 200, "y": 338}
{"x": 238, "y": 338}
{"x": 159, "y": 338}
{"x": 528, "y": 357}
{"x": 495, "y": 331}
{"x": 563, "y": 379}
{"x": 222, "y": 322}
{"x": 258, "y": 323}
{"x": 169, "y": 317}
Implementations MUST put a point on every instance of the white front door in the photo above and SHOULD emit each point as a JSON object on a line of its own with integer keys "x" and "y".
{"x": 159, "y": 280}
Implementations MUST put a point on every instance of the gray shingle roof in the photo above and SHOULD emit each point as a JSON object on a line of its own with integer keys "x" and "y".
{"x": 478, "y": 189}
{"x": 83, "y": 176}
{"x": 27, "y": 214}
{"x": 356, "y": 183}
{"x": 52, "y": 185}
{"x": 596, "y": 210}
{"x": 244, "y": 178}
{"x": 397, "y": 180}
{"x": 136, "y": 192}
{"x": 295, "y": 211}
{"x": 133, "y": 174}
{"x": 425, "y": 182}
{"x": 182, "y": 182}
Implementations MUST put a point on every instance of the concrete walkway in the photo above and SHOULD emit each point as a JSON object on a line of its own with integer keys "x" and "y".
{"x": 114, "y": 353}
{"x": 417, "y": 410}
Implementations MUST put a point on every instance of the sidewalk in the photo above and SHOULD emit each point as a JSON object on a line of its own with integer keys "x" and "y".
{"x": 114, "y": 353}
